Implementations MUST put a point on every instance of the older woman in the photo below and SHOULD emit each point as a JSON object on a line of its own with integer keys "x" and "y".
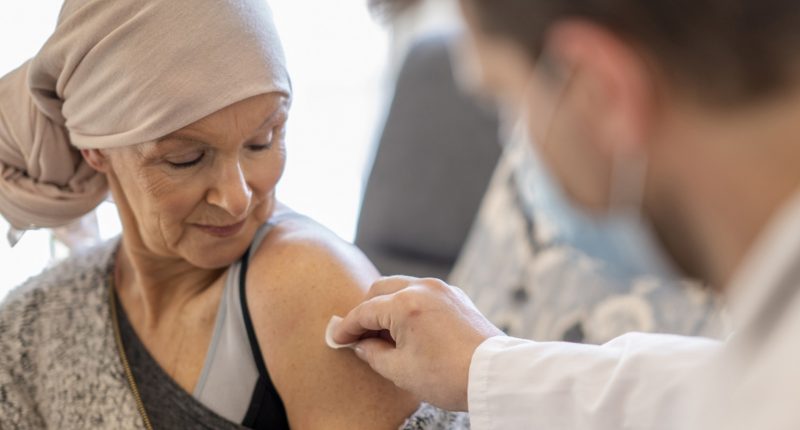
{"x": 209, "y": 311}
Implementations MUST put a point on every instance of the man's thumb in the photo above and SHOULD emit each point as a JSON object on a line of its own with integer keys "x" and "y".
{"x": 380, "y": 355}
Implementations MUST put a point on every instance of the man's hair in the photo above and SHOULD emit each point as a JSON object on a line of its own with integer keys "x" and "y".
{"x": 726, "y": 51}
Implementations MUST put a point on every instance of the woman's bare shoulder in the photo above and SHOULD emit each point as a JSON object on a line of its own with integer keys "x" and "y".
{"x": 300, "y": 276}
{"x": 303, "y": 247}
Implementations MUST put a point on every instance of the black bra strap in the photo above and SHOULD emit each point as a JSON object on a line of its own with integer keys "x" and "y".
{"x": 266, "y": 410}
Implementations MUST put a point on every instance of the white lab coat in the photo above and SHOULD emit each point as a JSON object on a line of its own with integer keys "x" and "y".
{"x": 646, "y": 381}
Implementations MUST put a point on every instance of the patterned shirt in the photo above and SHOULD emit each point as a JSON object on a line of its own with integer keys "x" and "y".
{"x": 532, "y": 286}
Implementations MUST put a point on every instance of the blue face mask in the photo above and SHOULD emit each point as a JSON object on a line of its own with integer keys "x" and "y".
{"x": 622, "y": 238}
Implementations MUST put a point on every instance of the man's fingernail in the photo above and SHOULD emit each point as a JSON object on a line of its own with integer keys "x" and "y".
{"x": 332, "y": 324}
{"x": 360, "y": 352}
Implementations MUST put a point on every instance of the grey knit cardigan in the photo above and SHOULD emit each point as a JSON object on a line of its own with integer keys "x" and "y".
{"x": 59, "y": 366}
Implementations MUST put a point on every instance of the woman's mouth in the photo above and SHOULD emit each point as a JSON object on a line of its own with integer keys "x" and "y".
{"x": 221, "y": 230}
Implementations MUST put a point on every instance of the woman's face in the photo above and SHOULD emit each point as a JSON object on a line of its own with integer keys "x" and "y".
{"x": 200, "y": 193}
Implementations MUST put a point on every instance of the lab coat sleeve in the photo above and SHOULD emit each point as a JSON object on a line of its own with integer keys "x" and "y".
{"x": 637, "y": 381}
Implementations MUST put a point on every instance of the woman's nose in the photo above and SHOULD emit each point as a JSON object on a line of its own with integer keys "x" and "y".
{"x": 231, "y": 192}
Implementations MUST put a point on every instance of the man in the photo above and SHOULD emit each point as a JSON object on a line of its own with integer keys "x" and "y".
{"x": 669, "y": 125}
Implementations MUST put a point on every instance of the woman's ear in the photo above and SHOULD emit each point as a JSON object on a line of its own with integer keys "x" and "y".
{"x": 97, "y": 159}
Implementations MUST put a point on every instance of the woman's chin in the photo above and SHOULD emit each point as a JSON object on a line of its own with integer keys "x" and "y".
{"x": 208, "y": 251}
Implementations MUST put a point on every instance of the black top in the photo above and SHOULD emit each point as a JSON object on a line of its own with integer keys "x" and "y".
{"x": 166, "y": 403}
{"x": 169, "y": 406}
{"x": 266, "y": 409}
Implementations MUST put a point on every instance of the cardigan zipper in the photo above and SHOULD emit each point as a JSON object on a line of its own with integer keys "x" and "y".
{"x": 124, "y": 357}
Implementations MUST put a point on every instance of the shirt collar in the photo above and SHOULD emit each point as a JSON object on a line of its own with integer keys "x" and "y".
{"x": 775, "y": 253}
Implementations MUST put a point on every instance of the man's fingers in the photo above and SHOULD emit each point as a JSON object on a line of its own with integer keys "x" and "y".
{"x": 372, "y": 315}
{"x": 378, "y": 310}
{"x": 380, "y": 355}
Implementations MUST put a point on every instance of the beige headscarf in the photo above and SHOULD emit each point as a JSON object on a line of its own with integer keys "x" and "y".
{"x": 117, "y": 73}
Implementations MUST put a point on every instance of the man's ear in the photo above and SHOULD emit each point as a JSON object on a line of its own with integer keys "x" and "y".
{"x": 616, "y": 86}
{"x": 97, "y": 159}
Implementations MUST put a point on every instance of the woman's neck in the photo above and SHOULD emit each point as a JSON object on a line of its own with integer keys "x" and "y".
{"x": 153, "y": 287}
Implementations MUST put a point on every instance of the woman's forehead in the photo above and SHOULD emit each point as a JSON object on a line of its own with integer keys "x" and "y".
{"x": 244, "y": 117}
{"x": 167, "y": 145}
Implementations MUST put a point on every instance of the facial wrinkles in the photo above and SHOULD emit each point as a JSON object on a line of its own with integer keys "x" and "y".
{"x": 164, "y": 230}
{"x": 124, "y": 175}
{"x": 154, "y": 189}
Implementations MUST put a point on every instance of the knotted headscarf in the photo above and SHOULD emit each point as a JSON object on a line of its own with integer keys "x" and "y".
{"x": 117, "y": 73}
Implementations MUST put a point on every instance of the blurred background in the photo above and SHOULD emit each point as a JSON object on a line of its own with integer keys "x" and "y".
{"x": 343, "y": 61}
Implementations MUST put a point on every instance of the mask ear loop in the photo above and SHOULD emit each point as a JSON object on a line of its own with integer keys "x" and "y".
{"x": 626, "y": 202}
{"x": 521, "y": 131}
{"x": 628, "y": 180}
{"x": 554, "y": 72}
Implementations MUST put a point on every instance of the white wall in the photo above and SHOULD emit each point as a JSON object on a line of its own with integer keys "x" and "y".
{"x": 336, "y": 57}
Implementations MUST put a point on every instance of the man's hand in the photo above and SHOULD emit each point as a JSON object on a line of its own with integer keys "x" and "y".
{"x": 420, "y": 334}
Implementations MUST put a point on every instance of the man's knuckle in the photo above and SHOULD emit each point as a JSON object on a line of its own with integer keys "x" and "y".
{"x": 409, "y": 301}
{"x": 435, "y": 285}
{"x": 404, "y": 297}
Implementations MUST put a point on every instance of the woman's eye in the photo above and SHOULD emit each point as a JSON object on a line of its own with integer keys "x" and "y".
{"x": 186, "y": 161}
{"x": 274, "y": 134}
{"x": 260, "y": 147}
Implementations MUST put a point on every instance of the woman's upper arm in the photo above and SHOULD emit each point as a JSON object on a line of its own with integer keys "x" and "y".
{"x": 301, "y": 276}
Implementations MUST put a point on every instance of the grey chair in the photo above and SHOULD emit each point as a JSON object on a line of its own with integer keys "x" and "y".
{"x": 435, "y": 157}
